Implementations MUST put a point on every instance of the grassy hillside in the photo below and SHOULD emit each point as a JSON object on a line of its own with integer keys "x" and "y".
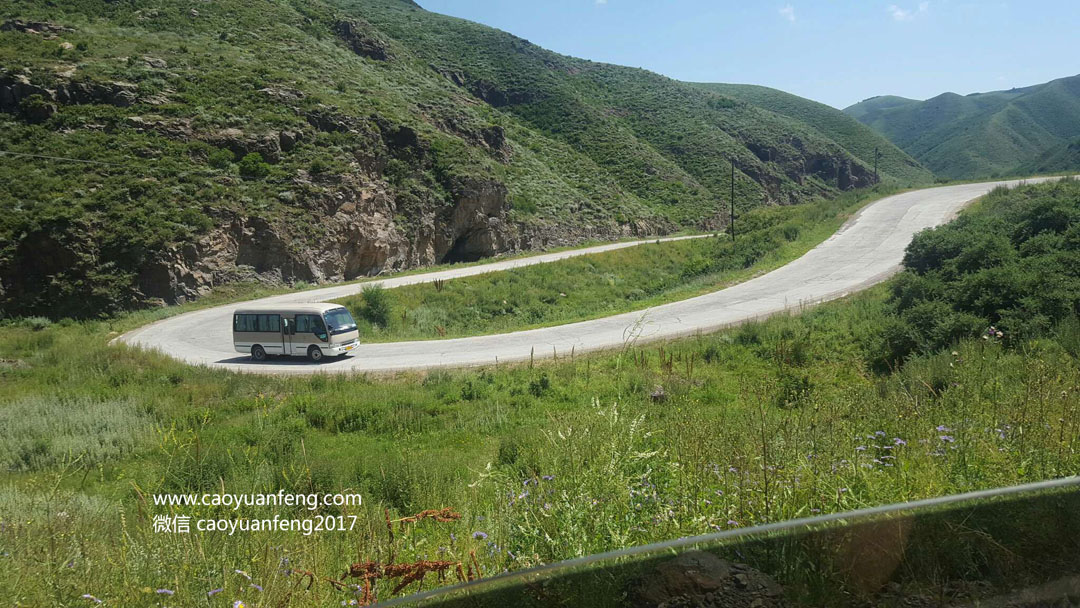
{"x": 855, "y": 403}
{"x": 1059, "y": 159}
{"x": 982, "y": 134}
{"x": 325, "y": 140}
{"x": 854, "y": 136}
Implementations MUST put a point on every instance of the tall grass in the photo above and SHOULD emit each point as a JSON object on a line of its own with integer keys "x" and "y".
{"x": 543, "y": 463}
{"x": 42, "y": 432}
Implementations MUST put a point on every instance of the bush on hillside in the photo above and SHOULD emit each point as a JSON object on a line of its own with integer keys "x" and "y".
{"x": 1013, "y": 263}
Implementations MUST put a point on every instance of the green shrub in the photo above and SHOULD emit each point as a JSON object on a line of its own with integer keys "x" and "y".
{"x": 37, "y": 323}
{"x": 252, "y": 166}
{"x": 221, "y": 158}
{"x": 377, "y": 305}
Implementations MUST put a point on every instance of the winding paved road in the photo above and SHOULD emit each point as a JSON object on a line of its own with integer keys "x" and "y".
{"x": 865, "y": 251}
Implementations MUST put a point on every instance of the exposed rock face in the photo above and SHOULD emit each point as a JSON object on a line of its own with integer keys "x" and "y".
{"x": 14, "y": 88}
{"x": 267, "y": 144}
{"x": 33, "y": 27}
{"x": 360, "y": 237}
{"x": 702, "y": 580}
{"x": 476, "y": 226}
{"x": 363, "y": 40}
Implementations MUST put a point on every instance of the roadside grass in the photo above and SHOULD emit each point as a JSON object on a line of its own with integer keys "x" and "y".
{"x": 765, "y": 422}
{"x": 768, "y": 421}
{"x": 604, "y": 284}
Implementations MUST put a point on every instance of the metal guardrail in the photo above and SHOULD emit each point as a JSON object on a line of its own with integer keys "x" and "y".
{"x": 1015, "y": 546}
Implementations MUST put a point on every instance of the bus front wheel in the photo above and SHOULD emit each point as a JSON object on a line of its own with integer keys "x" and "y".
{"x": 314, "y": 353}
{"x": 258, "y": 353}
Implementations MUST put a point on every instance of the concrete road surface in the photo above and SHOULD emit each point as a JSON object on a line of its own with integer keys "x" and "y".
{"x": 866, "y": 250}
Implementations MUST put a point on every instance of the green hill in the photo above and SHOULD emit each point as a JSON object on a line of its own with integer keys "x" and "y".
{"x": 286, "y": 141}
{"x": 854, "y": 136}
{"x": 1059, "y": 159}
{"x": 982, "y": 134}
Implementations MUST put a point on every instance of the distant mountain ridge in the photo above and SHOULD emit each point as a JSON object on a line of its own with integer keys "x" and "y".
{"x": 982, "y": 134}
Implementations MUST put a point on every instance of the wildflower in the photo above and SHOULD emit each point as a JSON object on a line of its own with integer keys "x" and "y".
{"x": 815, "y": 510}
{"x": 548, "y": 477}
{"x": 947, "y": 438}
{"x": 243, "y": 574}
{"x": 732, "y": 522}
{"x": 732, "y": 470}
{"x": 480, "y": 535}
{"x": 256, "y": 587}
{"x": 214, "y": 592}
{"x": 87, "y": 596}
{"x": 861, "y": 448}
{"x": 898, "y": 441}
{"x": 165, "y": 592}
{"x": 879, "y": 433}
{"x": 943, "y": 429}
{"x": 547, "y": 506}
{"x": 239, "y": 604}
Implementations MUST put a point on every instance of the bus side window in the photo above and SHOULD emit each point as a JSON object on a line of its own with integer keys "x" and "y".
{"x": 244, "y": 323}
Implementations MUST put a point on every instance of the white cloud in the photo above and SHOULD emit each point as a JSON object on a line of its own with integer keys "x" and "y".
{"x": 788, "y": 12}
{"x": 908, "y": 14}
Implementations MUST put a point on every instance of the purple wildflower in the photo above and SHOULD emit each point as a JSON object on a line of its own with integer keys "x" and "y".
{"x": 861, "y": 448}
{"x": 480, "y": 535}
{"x": 165, "y": 592}
{"x": 256, "y": 587}
{"x": 732, "y": 522}
{"x": 548, "y": 477}
{"x": 243, "y": 574}
{"x": 214, "y": 592}
{"x": 943, "y": 429}
{"x": 898, "y": 441}
{"x": 87, "y": 596}
{"x": 947, "y": 438}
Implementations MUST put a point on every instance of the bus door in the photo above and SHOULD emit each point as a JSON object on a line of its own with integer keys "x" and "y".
{"x": 288, "y": 331}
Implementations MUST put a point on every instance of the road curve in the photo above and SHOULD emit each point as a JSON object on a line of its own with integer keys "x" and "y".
{"x": 866, "y": 250}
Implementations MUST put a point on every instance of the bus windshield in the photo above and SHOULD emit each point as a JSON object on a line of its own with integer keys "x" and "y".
{"x": 339, "y": 320}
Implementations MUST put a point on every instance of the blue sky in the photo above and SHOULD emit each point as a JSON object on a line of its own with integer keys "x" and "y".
{"x": 837, "y": 52}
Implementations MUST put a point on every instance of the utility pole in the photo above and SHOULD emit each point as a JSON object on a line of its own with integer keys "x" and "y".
{"x": 733, "y": 201}
{"x": 877, "y": 156}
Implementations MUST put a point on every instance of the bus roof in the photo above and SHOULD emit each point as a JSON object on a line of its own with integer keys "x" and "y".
{"x": 310, "y": 308}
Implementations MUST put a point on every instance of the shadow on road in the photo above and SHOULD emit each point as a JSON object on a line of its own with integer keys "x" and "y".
{"x": 273, "y": 361}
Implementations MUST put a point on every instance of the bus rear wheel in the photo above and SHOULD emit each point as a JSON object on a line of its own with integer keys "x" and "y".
{"x": 314, "y": 353}
{"x": 258, "y": 353}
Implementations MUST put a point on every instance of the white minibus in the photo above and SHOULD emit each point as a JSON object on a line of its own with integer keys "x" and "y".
{"x": 311, "y": 330}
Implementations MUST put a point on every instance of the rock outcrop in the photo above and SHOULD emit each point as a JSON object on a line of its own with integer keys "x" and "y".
{"x": 16, "y": 88}
{"x": 360, "y": 236}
